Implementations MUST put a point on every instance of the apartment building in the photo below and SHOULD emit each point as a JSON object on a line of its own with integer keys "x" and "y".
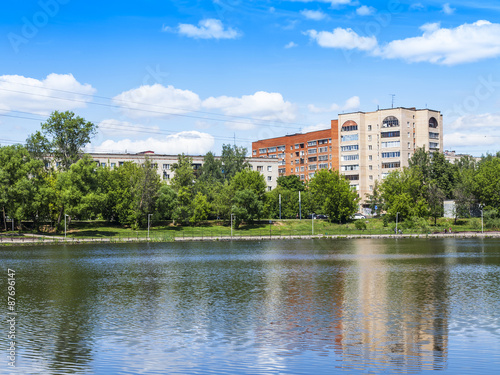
{"x": 301, "y": 154}
{"x": 363, "y": 146}
{"x": 268, "y": 167}
{"x": 373, "y": 144}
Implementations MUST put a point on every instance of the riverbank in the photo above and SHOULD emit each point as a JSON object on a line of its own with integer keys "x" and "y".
{"x": 30, "y": 239}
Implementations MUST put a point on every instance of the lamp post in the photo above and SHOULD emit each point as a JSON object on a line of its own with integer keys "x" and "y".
{"x": 65, "y": 216}
{"x": 232, "y": 225}
{"x": 397, "y": 213}
{"x": 149, "y": 215}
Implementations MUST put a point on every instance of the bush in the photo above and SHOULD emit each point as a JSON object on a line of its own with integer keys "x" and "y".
{"x": 360, "y": 225}
{"x": 385, "y": 221}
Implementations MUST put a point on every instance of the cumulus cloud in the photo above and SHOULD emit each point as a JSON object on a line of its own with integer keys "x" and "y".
{"x": 342, "y": 39}
{"x": 365, "y": 10}
{"x": 291, "y": 45}
{"x": 463, "y": 44}
{"x": 315, "y": 15}
{"x": 473, "y": 132}
{"x": 19, "y": 93}
{"x": 268, "y": 106}
{"x": 157, "y": 101}
{"x": 207, "y": 29}
{"x": 486, "y": 122}
{"x": 447, "y": 9}
{"x": 349, "y": 105}
{"x": 189, "y": 142}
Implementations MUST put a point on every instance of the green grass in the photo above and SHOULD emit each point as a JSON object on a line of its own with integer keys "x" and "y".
{"x": 283, "y": 228}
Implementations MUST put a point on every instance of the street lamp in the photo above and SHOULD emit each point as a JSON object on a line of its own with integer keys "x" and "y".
{"x": 65, "y": 216}
{"x": 149, "y": 215}
{"x": 232, "y": 225}
{"x": 397, "y": 213}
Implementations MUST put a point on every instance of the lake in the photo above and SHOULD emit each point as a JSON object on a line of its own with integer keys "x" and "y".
{"x": 250, "y": 307}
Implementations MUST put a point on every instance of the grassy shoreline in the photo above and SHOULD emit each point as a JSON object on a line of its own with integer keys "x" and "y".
{"x": 99, "y": 231}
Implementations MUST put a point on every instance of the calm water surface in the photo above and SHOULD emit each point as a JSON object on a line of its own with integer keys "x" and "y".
{"x": 285, "y": 307}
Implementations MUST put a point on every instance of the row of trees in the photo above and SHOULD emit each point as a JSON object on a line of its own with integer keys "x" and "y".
{"x": 419, "y": 190}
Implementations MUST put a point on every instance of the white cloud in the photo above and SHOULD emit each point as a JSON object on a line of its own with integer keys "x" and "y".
{"x": 268, "y": 106}
{"x": 291, "y": 45}
{"x": 473, "y": 132}
{"x": 157, "y": 101}
{"x": 486, "y": 122}
{"x": 207, "y": 29}
{"x": 343, "y": 39}
{"x": 463, "y": 44}
{"x": 365, "y": 10}
{"x": 189, "y": 142}
{"x": 447, "y": 9}
{"x": 25, "y": 94}
{"x": 314, "y": 128}
{"x": 417, "y": 6}
{"x": 350, "y": 104}
{"x": 315, "y": 15}
{"x": 469, "y": 141}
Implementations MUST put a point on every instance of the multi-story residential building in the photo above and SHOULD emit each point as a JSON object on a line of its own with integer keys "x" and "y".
{"x": 266, "y": 166}
{"x": 301, "y": 154}
{"x": 363, "y": 146}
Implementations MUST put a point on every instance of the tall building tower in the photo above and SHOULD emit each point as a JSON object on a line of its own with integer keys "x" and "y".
{"x": 373, "y": 144}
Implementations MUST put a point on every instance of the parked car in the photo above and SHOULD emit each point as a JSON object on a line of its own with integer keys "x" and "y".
{"x": 358, "y": 216}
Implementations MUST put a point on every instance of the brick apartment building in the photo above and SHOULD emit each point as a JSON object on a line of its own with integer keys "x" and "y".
{"x": 363, "y": 146}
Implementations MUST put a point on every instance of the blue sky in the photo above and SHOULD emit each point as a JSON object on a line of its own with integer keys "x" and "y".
{"x": 188, "y": 76}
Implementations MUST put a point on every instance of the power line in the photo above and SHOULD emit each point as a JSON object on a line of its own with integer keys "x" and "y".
{"x": 223, "y": 116}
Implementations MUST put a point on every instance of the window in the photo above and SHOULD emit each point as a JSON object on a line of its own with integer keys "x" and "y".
{"x": 370, "y": 157}
{"x": 395, "y": 154}
{"x": 254, "y": 152}
{"x": 312, "y": 167}
{"x": 297, "y": 146}
{"x": 369, "y": 138}
{"x": 370, "y": 147}
{"x": 260, "y": 168}
{"x": 296, "y": 169}
{"x": 283, "y": 170}
{"x": 390, "y": 122}
{"x": 349, "y": 128}
{"x": 390, "y": 144}
{"x": 271, "y": 149}
{"x": 370, "y": 167}
{"x": 371, "y": 187}
{"x": 269, "y": 188}
{"x": 408, "y": 134}
{"x": 395, "y": 164}
{"x": 301, "y": 153}
{"x": 349, "y": 148}
{"x": 408, "y": 124}
{"x": 370, "y": 177}
{"x": 301, "y": 176}
{"x": 312, "y": 151}
{"x": 166, "y": 167}
{"x": 353, "y": 177}
{"x": 269, "y": 168}
{"x": 269, "y": 178}
{"x": 323, "y": 165}
{"x": 345, "y": 168}
{"x": 166, "y": 176}
{"x": 120, "y": 163}
{"x": 433, "y": 135}
{"x": 323, "y": 149}
{"x": 311, "y": 143}
{"x": 312, "y": 159}
{"x": 369, "y": 127}
{"x": 433, "y": 145}
{"x": 347, "y": 138}
{"x": 408, "y": 144}
{"x": 103, "y": 165}
{"x": 350, "y": 157}
{"x": 433, "y": 123}
{"x": 322, "y": 157}
{"x": 389, "y": 134}
{"x": 302, "y": 169}
{"x": 113, "y": 165}
{"x": 262, "y": 150}
{"x": 281, "y": 148}
{"x": 322, "y": 141}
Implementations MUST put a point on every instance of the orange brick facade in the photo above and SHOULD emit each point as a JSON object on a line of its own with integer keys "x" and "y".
{"x": 302, "y": 154}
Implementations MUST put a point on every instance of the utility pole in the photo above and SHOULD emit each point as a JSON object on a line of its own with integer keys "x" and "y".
{"x": 300, "y": 208}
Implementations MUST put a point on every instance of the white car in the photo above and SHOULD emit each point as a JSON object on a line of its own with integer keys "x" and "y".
{"x": 358, "y": 216}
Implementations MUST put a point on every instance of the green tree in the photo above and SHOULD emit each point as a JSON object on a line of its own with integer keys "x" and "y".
{"x": 487, "y": 182}
{"x": 63, "y": 136}
{"x": 211, "y": 171}
{"x": 374, "y": 200}
{"x": 166, "y": 202}
{"x": 201, "y": 209}
{"x": 332, "y": 195}
{"x": 292, "y": 182}
{"x": 233, "y": 160}
{"x": 183, "y": 185}
{"x": 249, "y": 188}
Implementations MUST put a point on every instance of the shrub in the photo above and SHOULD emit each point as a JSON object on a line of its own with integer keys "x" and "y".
{"x": 360, "y": 225}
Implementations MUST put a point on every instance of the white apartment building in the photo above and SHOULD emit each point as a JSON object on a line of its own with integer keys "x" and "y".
{"x": 268, "y": 167}
{"x": 373, "y": 144}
